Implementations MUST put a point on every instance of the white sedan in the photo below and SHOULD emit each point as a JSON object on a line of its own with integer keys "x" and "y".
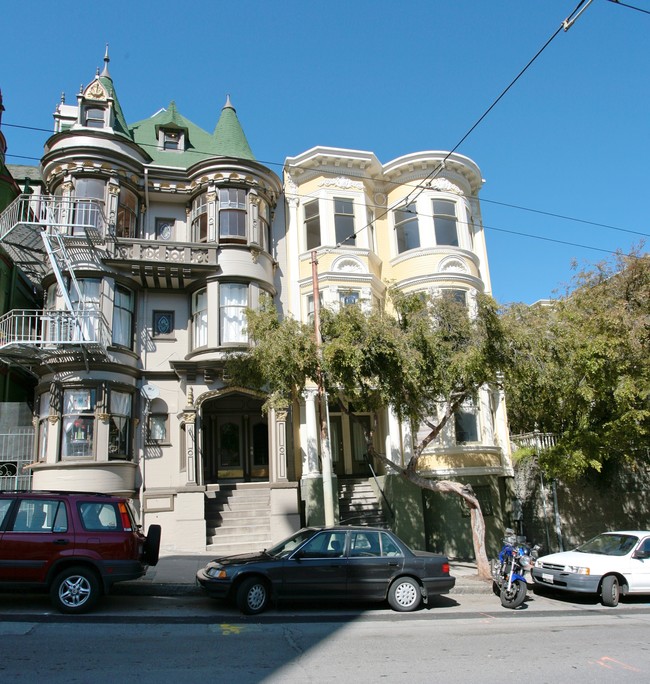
{"x": 611, "y": 564}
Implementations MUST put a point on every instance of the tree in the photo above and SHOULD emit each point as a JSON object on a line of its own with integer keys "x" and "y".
{"x": 581, "y": 369}
{"x": 426, "y": 355}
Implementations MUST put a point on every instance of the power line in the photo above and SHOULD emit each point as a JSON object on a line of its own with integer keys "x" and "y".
{"x": 632, "y": 7}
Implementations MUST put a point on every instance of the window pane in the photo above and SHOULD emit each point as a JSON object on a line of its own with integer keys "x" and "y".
{"x": 344, "y": 221}
{"x": 444, "y": 219}
{"x": 312, "y": 225}
{"x": 200, "y": 319}
{"x": 233, "y": 300}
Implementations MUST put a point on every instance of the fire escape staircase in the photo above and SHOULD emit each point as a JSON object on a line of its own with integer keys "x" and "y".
{"x": 43, "y": 234}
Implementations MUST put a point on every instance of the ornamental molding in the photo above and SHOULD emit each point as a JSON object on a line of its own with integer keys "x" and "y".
{"x": 290, "y": 187}
{"x": 348, "y": 265}
{"x": 96, "y": 91}
{"x": 445, "y": 185}
{"x": 341, "y": 183}
{"x": 453, "y": 265}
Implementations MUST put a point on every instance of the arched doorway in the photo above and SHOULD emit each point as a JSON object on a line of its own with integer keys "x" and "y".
{"x": 235, "y": 439}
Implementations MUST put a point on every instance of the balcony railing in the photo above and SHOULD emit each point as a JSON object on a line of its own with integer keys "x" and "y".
{"x": 70, "y": 216}
{"x": 48, "y": 329}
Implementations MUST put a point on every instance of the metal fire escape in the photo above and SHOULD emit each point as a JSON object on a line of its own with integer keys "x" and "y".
{"x": 44, "y": 234}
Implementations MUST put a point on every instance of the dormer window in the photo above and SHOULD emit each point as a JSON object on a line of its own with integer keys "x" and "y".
{"x": 94, "y": 117}
{"x": 172, "y": 138}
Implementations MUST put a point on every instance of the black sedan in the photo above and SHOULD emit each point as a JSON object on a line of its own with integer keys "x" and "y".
{"x": 333, "y": 563}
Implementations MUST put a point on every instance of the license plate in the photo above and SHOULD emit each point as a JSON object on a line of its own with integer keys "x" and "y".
{"x": 547, "y": 578}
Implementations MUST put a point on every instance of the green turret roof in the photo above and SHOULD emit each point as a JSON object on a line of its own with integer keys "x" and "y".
{"x": 229, "y": 137}
{"x": 106, "y": 80}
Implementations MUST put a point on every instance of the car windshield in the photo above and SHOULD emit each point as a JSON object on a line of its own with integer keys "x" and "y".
{"x": 284, "y": 548}
{"x": 610, "y": 544}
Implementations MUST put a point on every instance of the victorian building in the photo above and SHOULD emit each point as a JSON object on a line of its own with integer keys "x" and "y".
{"x": 146, "y": 246}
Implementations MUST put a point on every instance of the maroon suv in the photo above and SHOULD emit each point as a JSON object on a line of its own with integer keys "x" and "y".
{"x": 76, "y": 545}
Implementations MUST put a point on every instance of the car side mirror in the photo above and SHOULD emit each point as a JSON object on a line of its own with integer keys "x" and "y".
{"x": 641, "y": 555}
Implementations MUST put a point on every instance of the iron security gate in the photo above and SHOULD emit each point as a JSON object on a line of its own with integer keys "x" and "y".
{"x": 16, "y": 451}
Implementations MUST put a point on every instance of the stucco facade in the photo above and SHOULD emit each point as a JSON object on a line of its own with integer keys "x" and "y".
{"x": 152, "y": 239}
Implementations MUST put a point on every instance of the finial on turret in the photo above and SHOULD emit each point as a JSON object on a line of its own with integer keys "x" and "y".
{"x": 107, "y": 59}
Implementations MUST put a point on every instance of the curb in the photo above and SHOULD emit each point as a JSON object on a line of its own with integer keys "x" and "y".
{"x": 465, "y": 586}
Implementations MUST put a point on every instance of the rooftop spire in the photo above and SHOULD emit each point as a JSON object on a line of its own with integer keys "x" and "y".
{"x": 107, "y": 59}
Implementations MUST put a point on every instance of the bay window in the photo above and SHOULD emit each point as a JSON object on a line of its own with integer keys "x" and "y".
{"x": 344, "y": 222}
{"x": 233, "y": 300}
{"x": 406, "y": 228}
{"x": 466, "y": 423}
{"x": 89, "y": 204}
{"x": 264, "y": 225}
{"x": 123, "y": 307}
{"x": 312, "y": 225}
{"x": 200, "y": 319}
{"x": 78, "y": 423}
{"x": 232, "y": 215}
{"x": 445, "y": 222}
{"x": 199, "y": 219}
{"x": 127, "y": 214}
{"x": 43, "y": 422}
{"x": 119, "y": 431}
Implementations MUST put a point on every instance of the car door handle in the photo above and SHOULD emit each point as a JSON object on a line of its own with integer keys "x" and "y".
{"x": 393, "y": 564}
{"x": 61, "y": 542}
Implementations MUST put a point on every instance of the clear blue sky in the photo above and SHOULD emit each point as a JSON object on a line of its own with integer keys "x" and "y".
{"x": 570, "y": 138}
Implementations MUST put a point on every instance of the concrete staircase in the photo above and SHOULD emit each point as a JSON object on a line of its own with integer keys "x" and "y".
{"x": 359, "y": 505}
{"x": 237, "y": 519}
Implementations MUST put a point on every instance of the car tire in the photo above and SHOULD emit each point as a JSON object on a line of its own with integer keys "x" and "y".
{"x": 610, "y": 591}
{"x": 75, "y": 590}
{"x": 252, "y": 596}
{"x": 152, "y": 545}
{"x": 404, "y": 595}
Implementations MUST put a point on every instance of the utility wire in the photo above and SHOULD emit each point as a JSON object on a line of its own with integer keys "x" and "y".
{"x": 623, "y": 4}
{"x": 482, "y": 199}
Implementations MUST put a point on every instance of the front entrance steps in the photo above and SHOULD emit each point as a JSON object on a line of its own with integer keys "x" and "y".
{"x": 237, "y": 519}
{"x": 359, "y": 505}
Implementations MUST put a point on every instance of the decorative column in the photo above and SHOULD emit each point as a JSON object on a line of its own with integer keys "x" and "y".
{"x": 278, "y": 460}
{"x": 309, "y": 434}
{"x": 189, "y": 420}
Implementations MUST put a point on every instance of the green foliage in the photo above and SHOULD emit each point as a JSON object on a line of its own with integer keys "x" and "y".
{"x": 429, "y": 351}
{"x": 580, "y": 368}
{"x": 281, "y": 359}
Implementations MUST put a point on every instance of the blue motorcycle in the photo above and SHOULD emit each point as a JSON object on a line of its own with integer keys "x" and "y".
{"x": 509, "y": 569}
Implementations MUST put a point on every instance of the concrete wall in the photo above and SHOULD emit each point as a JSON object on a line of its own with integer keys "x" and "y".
{"x": 617, "y": 498}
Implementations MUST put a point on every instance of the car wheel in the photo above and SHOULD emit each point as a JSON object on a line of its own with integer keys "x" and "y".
{"x": 610, "y": 591}
{"x": 75, "y": 590}
{"x": 404, "y": 595}
{"x": 252, "y": 596}
{"x": 152, "y": 545}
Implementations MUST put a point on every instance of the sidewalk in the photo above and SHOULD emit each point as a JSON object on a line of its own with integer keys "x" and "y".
{"x": 175, "y": 576}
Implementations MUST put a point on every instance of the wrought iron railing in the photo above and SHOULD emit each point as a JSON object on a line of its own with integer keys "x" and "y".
{"x": 16, "y": 451}
{"x": 42, "y": 328}
{"x": 71, "y": 216}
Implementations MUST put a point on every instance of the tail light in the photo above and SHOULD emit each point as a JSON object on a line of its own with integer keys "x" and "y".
{"x": 445, "y": 568}
{"x": 124, "y": 515}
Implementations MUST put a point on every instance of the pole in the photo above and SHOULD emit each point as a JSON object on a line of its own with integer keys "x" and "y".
{"x": 325, "y": 453}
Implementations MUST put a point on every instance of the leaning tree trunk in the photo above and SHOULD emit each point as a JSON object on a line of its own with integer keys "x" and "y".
{"x": 446, "y": 486}
{"x": 476, "y": 514}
